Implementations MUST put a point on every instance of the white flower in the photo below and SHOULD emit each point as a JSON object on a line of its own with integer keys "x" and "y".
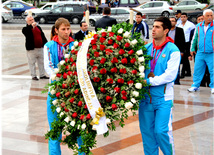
{"x": 108, "y": 121}
{"x": 54, "y": 102}
{"x": 109, "y": 29}
{"x": 67, "y": 55}
{"x": 72, "y": 47}
{"x": 141, "y": 69}
{"x": 141, "y": 59}
{"x": 138, "y": 85}
{"x": 62, "y": 62}
{"x": 126, "y": 34}
{"x": 72, "y": 123}
{"x": 53, "y": 77}
{"x": 135, "y": 93}
{"x": 83, "y": 126}
{"x": 53, "y": 91}
{"x": 142, "y": 75}
{"x": 103, "y": 30}
{"x": 133, "y": 42}
{"x": 128, "y": 105}
{"x": 139, "y": 52}
{"x": 133, "y": 100}
{"x": 94, "y": 127}
{"x": 78, "y": 127}
{"x": 67, "y": 119}
{"x": 58, "y": 109}
{"x": 61, "y": 114}
{"x": 75, "y": 43}
{"x": 56, "y": 70}
{"x": 120, "y": 31}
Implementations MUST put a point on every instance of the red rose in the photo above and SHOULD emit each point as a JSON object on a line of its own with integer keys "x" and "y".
{"x": 114, "y": 106}
{"x": 88, "y": 56}
{"x": 93, "y": 42}
{"x": 96, "y": 79}
{"x": 121, "y": 52}
{"x": 94, "y": 47}
{"x": 73, "y": 64}
{"x": 130, "y": 82}
{"x": 85, "y": 107}
{"x": 75, "y": 73}
{"x": 109, "y": 98}
{"x": 111, "y": 34}
{"x": 66, "y": 110}
{"x": 124, "y": 61}
{"x": 58, "y": 75}
{"x": 114, "y": 70}
{"x": 127, "y": 45}
{"x": 102, "y": 39}
{"x": 79, "y": 104}
{"x": 89, "y": 73}
{"x": 103, "y": 90}
{"x": 121, "y": 81}
{"x": 63, "y": 104}
{"x": 132, "y": 60}
{"x": 114, "y": 60}
{"x": 64, "y": 86}
{"x": 80, "y": 44}
{"x": 130, "y": 52}
{"x": 124, "y": 98}
{"x": 115, "y": 45}
{"x": 103, "y": 60}
{"x": 58, "y": 94}
{"x": 65, "y": 76}
{"x": 104, "y": 34}
{"x": 108, "y": 51}
{"x": 67, "y": 67}
{"x": 76, "y": 92}
{"x": 95, "y": 36}
{"x": 119, "y": 38}
{"x": 69, "y": 73}
{"x": 110, "y": 41}
{"x": 91, "y": 62}
{"x": 96, "y": 54}
{"x": 67, "y": 94}
{"x": 66, "y": 59}
{"x": 117, "y": 90}
{"x": 110, "y": 81}
{"x": 74, "y": 115}
{"x": 71, "y": 100}
{"x": 82, "y": 117}
{"x": 94, "y": 69}
{"x": 71, "y": 59}
{"x": 88, "y": 117}
{"x": 102, "y": 47}
{"x": 103, "y": 71}
{"x": 73, "y": 51}
{"x": 123, "y": 92}
{"x": 134, "y": 71}
{"x": 123, "y": 71}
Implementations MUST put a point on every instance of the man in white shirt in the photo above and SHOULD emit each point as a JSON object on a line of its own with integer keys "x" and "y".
{"x": 178, "y": 17}
{"x": 187, "y": 27}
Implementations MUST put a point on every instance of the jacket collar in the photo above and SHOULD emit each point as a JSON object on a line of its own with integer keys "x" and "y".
{"x": 168, "y": 39}
{"x": 210, "y": 24}
{"x": 56, "y": 39}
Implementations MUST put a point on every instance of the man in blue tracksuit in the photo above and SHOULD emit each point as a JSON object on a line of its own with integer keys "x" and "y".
{"x": 203, "y": 39}
{"x": 155, "y": 111}
{"x": 53, "y": 54}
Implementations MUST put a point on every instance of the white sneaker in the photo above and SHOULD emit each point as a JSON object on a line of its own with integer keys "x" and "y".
{"x": 193, "y": 89}
{"x": 212, "y": 90}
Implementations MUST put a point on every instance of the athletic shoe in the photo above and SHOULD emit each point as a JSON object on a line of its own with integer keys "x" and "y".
{"x": 193, "y": 89}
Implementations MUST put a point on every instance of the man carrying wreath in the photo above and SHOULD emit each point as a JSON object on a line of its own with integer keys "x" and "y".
{"x": 155, "y": 111}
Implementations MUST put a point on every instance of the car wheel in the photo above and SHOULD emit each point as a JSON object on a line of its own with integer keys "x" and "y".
{"x": 165, "y": 14}
{"x": 75, "y": 20}
{"x": 92, "y": 22}
{"x": 42, "y": 20}
{"x": 198, "y": 9}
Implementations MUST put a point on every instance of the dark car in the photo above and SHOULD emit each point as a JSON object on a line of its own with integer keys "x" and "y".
{"x": 192, "y": 15}
{"x": 74, "y": 13}
{"x": 122, "y": 3}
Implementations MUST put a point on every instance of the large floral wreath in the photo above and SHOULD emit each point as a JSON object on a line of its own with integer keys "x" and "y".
{"x": 116, "y": 64}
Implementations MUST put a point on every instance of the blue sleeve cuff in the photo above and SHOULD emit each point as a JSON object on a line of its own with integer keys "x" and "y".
{"x": 148, "y": 81}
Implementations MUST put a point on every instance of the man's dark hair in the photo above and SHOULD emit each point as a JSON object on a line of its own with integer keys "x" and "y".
{"x": 199, "y": 15}
{"x": 81, "y": 23}
{"x": 184, "y": 13}
{"x": 139, "y": 13}
{"x": 106, "y": 11}
{"x": 166, "y": 24}
{"x": 174, "y": 18}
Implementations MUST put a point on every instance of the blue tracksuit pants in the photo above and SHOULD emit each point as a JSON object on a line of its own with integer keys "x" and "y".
{"x": 54, "y": 145}
{"x": 156, "y": 127}
{"x": 201, "y": 60}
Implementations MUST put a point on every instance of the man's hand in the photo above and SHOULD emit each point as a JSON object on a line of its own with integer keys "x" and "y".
{"x": 191, "y": 53}
{"x": 146, "y": 42}
{"x": 190, "y": 58}
{"x": 182, "y": 54}
{"x": 34, "y": 24}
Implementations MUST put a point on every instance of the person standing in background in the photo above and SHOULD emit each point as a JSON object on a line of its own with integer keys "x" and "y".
{"x": 178, "y": 17}
{"x": 80, "y": 35}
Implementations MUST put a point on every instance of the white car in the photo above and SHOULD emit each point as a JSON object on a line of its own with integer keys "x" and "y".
{"x": 162, "y": 8}
{"x": 6, "y": 14}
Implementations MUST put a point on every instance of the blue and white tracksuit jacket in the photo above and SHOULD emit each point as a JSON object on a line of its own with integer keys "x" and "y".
{"x": 204, "y": 41}
{"x": 50, "y": 62}
{"x": 142, "y": 28}
{"x": 155, "y": 115}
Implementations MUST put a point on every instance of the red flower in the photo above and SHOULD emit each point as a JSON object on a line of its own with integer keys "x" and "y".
{"x": 111, "y": 34}
{"x": 94, "y": 47}
{"x": 88, "y": 117}
{"x": 114, "y": 70}
{"x": 69, "y": 73}
{"x": 103, "y": 90}
{"x": 127, "y": 45}
{"x": 102, "y": 47}
{"x": 132, "y": 60}
{"x": 103, "y": 34}
{"x": 80, "y": 44}
{"x": 103, "y": 60}
{"x": 73, "y": 51}
{"x": 110, "y": 81}
{"x": 119, "y": 38}
{"x": 75, "y": 73}
{"x": 58, "y": 94}
{"x": 67, "y": 94}
{"x": 71, "y": 59}
{"x": 82, "y": 117}
{"x": 96, "y": 79}
{"x": 96, "y": 54}
{"x": 115, "y": 45}
{"x": 110, "y": 41}
{"x": 114, "y": 106}
{"x": 79, "y": 104}
{"x": 121, "y": 52}
{"x": 63, "y": 104}
{"x": 134, "y": 71}
{"x": 94, "y": 69}
{"x": 124, "y": 61}
{"x": 102, "y": 39}
{"x": 124, "y": 98}
{"x": 85, "y": 107}
{"x": 67, "y": 67}
{"x": 91, "y": 62}
{"x": 66, "y": 110}
{"x": 58, "y": 75}
{"x": 123, "y": 92}
{"x": 123, "y": 71}
{"x": 76, "y": 92}
{"x": 71, "y": 100}
{"x": 103, "y": 71}
{"x": 109, "y": 98}
{"x": 74, "y": 115}
{"x": 121, "y": 81}
{"x": 88, "y": 56}
{"x": 117, "y": 90}
{"x": 93, "y": 42}
{"x": 95, "y": 36}
{"x": 114, "y": 60}
{"x": 130, "y": 52}
{"x": 66, "y": 59}
{"x": 64, "y": 86}
{"x": 73, "y": 64}
{"x": 130, "y": 82}
{"x": 108, "y": 51}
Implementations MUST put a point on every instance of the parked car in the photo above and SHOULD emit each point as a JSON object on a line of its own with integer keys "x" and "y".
{"x": 192, "y": 15}
{"x": 121, "y": 14}
{"x": 74, "y": 13}
{"x": 189, "y": 5}
{"x": 162, "y": 8}
{"x": 6, "y": 14}
{"x": 122, "y": 3}
{"x": 18, "y": 7}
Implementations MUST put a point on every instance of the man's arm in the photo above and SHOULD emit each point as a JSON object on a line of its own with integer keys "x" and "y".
{"x": 146, "y": 32}
{"x": 48, "y": 65}
{"x": 194, "y": 42}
